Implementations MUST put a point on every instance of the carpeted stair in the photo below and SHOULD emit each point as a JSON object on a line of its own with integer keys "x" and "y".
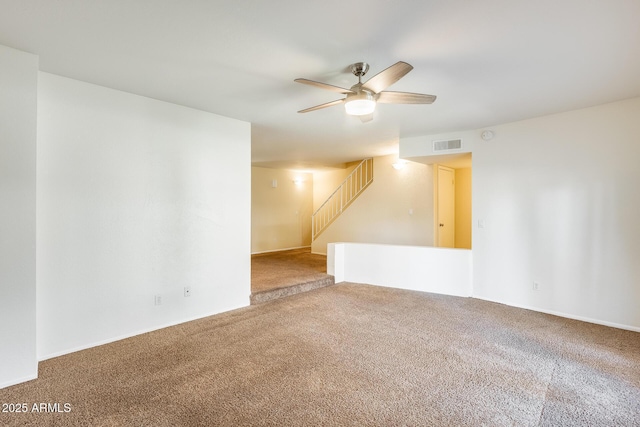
{"x": 271, "y": 294}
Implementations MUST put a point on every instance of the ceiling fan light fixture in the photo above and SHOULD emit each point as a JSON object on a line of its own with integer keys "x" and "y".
{"x": 360, "y": 104}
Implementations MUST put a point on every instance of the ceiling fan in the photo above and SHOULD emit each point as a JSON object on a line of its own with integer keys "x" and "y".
{"x": 361, "y": 99}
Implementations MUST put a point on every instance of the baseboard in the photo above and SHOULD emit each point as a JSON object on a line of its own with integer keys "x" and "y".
{"x": 18, "y": 381}
{"x": 565, "y": 315}
{"x": 133, "y": 334}
{"x": 279, "y": 250}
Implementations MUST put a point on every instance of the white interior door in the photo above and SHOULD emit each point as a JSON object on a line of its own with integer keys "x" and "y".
{"x": 446, "y": 209}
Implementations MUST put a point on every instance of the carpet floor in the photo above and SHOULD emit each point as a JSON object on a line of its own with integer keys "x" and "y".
{"x": 348, "y": 355}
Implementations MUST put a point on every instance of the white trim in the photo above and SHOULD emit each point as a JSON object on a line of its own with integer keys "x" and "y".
{"x": 122, "y": 337}
{"x": 565, "y": 315}
{"x": 280, "y": 250}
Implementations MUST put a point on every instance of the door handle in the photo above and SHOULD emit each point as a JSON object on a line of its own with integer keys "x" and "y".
{"x": 441, "y": 225}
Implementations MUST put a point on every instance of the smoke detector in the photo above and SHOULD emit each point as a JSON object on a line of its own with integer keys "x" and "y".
{"x": 486, "y": 135}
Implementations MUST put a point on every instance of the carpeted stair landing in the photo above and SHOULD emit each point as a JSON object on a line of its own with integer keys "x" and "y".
{"x": 281, "y": 274}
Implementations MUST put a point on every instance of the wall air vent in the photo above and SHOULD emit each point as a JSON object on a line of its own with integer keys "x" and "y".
{"x": 452, "y": 144}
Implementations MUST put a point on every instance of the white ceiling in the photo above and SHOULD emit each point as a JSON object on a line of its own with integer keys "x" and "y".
{"x": 488, "y": 61}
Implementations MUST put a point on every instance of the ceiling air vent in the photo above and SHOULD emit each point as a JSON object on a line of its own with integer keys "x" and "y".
{"x": 452, "y": 144}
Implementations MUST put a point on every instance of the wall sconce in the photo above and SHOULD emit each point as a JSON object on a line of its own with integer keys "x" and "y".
{"x": 400, "y": 164}
{"x": 298, "y": 181}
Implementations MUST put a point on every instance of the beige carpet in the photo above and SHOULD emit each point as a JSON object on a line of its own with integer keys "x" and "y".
{"x": 350, "y": 355}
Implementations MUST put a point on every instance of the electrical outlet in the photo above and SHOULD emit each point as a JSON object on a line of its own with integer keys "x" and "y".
{"x": 158, "y": 300}
{"x": 535, "y": 286}
{"x": 187, "y": 291}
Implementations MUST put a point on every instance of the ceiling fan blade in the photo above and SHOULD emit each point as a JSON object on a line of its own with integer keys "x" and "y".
{"x": 387, "y": 77}
{"x": 321, "y": 106}
{"x": 404, "y": 98}
{"x": 324, "y": 86}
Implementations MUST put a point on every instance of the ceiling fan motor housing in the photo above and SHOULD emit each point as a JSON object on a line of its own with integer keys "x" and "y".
{"x": 362, "y": 102}
{"x": 360, "y": 69}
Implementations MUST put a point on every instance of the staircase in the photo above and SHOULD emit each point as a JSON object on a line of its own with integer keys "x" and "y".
{"x": 353, "y": 185}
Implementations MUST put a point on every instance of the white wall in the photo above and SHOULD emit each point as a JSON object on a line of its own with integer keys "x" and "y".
{"x": 397, "y": 208}
{"x": 18, "y": 109}
{"x": 559, "y": 200}
{"x": 418, "y": 268}
{"x": 281, "y": 215}
{"x": 136, "y": 198}
{"x": 420, "y": 148}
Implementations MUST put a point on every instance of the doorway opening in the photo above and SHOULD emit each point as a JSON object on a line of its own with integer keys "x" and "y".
{"x": 452, "y": 201}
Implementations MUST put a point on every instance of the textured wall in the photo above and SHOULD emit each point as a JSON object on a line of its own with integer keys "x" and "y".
{"x": 137, "y": 199}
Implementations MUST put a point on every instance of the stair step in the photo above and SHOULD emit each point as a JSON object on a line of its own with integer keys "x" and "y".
{"x": 272, "y": 294}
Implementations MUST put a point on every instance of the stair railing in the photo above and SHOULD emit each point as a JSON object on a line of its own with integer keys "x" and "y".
{"x": 342, "y": 197}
